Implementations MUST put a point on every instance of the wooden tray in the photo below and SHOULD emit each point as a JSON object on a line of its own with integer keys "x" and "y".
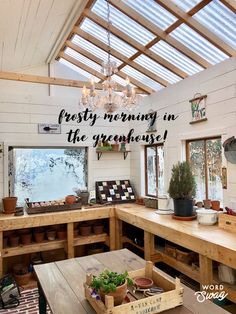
{"x": 51, "y": 208}
{"x": 172, "y": 297}
{"x": 227, "y": 222}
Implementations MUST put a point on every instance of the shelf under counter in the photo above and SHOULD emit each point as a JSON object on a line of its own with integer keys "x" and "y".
{"x": 90, "y": 239}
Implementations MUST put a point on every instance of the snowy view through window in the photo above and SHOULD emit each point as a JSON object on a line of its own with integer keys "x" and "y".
{"x": 43, "y": 174}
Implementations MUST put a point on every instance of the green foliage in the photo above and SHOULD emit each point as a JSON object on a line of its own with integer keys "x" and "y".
{"x": 182, "y": 184}
{"x": 109, "y": 280}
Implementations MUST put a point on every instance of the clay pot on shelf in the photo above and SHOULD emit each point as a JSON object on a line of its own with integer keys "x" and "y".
{"x": 14, "y": 240}
{"x": 115, "y": 147}
{"x": 84, "y": 195}
{"x": 76, "y": 232}
{"x": 95, "y": 249}
{"x": 98, "y": 228}
{"x": 38, "y": 236}
{"x": 9, "y": 205}
{"x": 26, "y": 238}
{"x": 61, "y": 234}
{"x": 21, "y": 274}
{"x": 85, "y": 229}
{"x": 207, "y": 203}
{"x": 70, "y": 199}
{"x": 24, "y": 231}
{"x": 215, "y": 205}
{"x": 51, "y": 235}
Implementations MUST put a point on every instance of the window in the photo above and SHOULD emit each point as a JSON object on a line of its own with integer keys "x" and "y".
{"x": 43, "y": 174}
{"x": 205, "y": 157}
{"x": 154, "y": 170}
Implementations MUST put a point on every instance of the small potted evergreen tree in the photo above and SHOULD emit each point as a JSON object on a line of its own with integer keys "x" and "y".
{"x": 182, "y": 189}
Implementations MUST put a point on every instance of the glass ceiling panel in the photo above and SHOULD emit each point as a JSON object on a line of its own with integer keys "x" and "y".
{"x": 186, "y": 5}
{"x": 101, "y": 34}
{"x": 120, "y": 80}
{"x": 77, "y": 69}
{"x": 123, "y": 22}
{"x": 177, "y": 58}
{"x": 220, "y": 20}
{"x": 158, "y": 69}
{"x": 83, "y": 43}
{"x": 153, "y": 12}
{"x": 198, "y": 44}
{"x": 141, "y": 77}
{"x": 83, "y": 59}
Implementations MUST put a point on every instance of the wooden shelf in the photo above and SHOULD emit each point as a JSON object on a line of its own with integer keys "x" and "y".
{"x": 228, "y": 288}
{"x": 186, "y": 269}
{"x": 125, "y": 153}
{"x": 128, "y": 240}
{"x": 34, "y": 247}
{"x": 93, "y": 238}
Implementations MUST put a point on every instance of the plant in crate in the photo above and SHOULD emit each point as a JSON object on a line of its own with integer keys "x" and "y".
{"x": 182, "y": 189}
{"x": 112, "y": 284}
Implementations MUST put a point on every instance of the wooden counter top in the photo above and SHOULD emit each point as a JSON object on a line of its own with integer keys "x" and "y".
{"x": 11, "y": 222}
{"x": 210, "y": 241}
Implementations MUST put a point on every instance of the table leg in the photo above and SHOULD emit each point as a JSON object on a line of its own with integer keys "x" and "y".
{"x": 149, "y": 245}
{"x": 119, "y": 233}
{"x": 206, "y": 271}
{"x": 42, "y": 301}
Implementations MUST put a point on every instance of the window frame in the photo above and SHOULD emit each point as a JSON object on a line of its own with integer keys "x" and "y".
{"x": 204, "y": 139}
{"x": 145, "y": 160}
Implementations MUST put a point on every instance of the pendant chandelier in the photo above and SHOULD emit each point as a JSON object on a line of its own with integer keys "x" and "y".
{"x": 109, "y": 98}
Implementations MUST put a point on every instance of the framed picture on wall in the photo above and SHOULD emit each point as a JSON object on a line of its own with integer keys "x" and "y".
{"x": 198, "y": 108}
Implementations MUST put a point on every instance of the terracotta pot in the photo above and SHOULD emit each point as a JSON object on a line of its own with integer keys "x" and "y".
{"x": 26, "y": 238}
{"x": 61, "y": 234}
{"x": 51, "y": 235}
{"x": 95, "y": 250}
{"x": 5, "y": 242}
{"x": 14, "y": 240}
{"x": 98, "y": 228}
{"x": 84, "y": 195}
{"x": 215, "y": 205}
{"x": 85, "y": 229}
{"x": 70, "y": 199}
{"x": 115, "y": 147}
{"x": 76, "y": 232}
{"x": 24, "y": 231}
{"x": 22, "y": 279}
{"x": 9, "y": 205}
{"x": 207, "y": 203}
{"x": 118, "y": 295}
{"x": 38, "y": 236}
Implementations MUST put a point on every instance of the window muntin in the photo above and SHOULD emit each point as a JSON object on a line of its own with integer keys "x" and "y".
{"x": 43, "y": 174}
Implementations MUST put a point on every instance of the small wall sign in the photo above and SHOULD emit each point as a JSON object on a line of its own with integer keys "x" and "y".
{"x": 44, "y": 128}
{"x": 198, "y": 108}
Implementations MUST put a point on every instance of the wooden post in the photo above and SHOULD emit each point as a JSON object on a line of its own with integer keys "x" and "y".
{"x": 206, "y": 272}
{"x": 112, "y": 235}
{"x": 118, "y": 232}
{"x": 148, "y": 269}
{"x": 70, "y": 240}
{"x": 1, "y": 249}
{"x": 149, "y": 245}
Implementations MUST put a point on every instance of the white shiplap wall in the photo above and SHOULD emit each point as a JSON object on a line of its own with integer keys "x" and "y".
{"x": 219, "y": 83}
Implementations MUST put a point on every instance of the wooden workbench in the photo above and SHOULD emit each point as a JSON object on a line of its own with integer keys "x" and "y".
{"x": 211, "y": 242}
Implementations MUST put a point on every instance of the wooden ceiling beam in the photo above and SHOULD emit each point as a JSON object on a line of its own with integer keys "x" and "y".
{"x": 231, "y": 4}
{"x": 99, "y": 61}
{"x": 120, "y": 5}
{"x": 196, "y": 26}
{"x": 120, "y": 56}
{"x": 130, "y": 41}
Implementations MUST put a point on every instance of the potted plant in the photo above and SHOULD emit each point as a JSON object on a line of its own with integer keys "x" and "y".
{"x": 112, "y": 284}
{"x": 21, "y": 274}
{"x": 182, "y": 189}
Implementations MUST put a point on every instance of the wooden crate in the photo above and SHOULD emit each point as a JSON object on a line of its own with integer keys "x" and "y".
{"x": 227, "y": 222}
{"x": 51, "y": 208}
{"x": 170, "y": 298}
{"x": 151, "y": 202}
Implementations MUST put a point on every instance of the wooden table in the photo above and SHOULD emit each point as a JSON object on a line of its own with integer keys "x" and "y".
{"x": 61, "y": 283}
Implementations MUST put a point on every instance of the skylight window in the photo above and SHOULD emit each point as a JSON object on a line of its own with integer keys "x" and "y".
{"x": 220, "y": 20}
{"x": 186, "y": 5}
{"x": 123, "y": 22}
{"x": 141, "y": 77}
{"x": 157, "y": 69}
{"x": 175, "y": 57}
{"x": 153, "y": 12}
{"x": 197, "y": 43}
{"x": 101, "y": 34}
{"x": 83, "y": 43}
{"x": 78, "y": 70}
